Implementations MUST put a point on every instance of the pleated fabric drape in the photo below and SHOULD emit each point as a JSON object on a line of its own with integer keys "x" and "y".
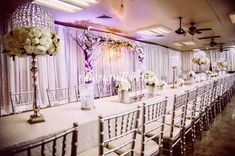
{"x": 64, "y": 69}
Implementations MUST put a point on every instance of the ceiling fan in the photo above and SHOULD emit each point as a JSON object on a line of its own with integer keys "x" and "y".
{"x": 194, "y": 30}
{"x": 212, "y": 43}
{"x": 180, "y": 30}
{"x": 222, "y": 49}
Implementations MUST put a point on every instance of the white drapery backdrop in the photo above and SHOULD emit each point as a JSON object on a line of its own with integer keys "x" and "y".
{"x": 213, "y": 55}
{"x": 63, "y": 70}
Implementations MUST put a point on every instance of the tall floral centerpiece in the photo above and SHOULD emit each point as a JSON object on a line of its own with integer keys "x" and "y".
{"x": 88, "y": 42}
{"x": 200, "y": 61}
{"x": 123, "y": 87}
{"x": 151, "y": 82}
{"x": 223, "y": 66}
{"x": 32, "y": 35}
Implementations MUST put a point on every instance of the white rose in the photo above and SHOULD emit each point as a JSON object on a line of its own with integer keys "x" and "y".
{"x": 27, "y": 41}
{"x": 35, "y": 41}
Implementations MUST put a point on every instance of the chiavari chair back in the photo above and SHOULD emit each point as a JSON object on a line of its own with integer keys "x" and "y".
{"x": 117, "y": 133}
{"x": 173, "y": 132}
{"x": 179, "y": 110}
{"x": 200, "y": 105}
{"x": 58, "y": 96}
{"x": 77, "y": 92}
{"x": 22, "y": 101}
{"x": 191, "y": 102}
{"x": 104, "y": 89}
{"x": 152, "y": 127}
{"x": 190, "y": 113}
{"x": 61, "y": 143}
{"x": 200, "y": 111}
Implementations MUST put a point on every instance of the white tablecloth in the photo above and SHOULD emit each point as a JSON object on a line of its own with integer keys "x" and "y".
{"x": 15, "y": 129}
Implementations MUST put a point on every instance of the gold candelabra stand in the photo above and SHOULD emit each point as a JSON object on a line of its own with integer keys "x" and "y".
{"x": 36, "y": 117}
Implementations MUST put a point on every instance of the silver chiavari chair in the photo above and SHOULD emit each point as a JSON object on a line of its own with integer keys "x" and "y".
{"x": 221, "y": 87}
{"x": 212, "y": 108}
{"x": 117, "y": 135}
{"x": 191, "y": 117}
{"x": 152, "y": 127}
{"x": 60, "y": 143}
{"x": 58, "y": 96}
{"x": 175, "y": 122}
{"x": 22, "y": 101}
{"x": 104, "y": 89}
{"x": 223, "y": 98}
{"x": 231, "y": 83}
{"x": 200, "y": 113}
{"x": 210, "y": 99}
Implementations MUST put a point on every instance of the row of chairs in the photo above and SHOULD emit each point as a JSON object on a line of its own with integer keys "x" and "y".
{"x": 151, "y": 129}
{"x": 23, "y": 101}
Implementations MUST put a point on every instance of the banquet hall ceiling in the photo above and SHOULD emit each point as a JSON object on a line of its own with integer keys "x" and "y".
{"x": 128, "y": 16}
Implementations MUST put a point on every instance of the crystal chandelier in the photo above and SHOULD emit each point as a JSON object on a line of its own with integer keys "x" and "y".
{"x": 32, "y": 15}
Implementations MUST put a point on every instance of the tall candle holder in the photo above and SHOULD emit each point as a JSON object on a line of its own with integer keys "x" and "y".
{"x": 135, "y": 83}
{"x": 174, "y": 75}
{"x": 141, "y": 87}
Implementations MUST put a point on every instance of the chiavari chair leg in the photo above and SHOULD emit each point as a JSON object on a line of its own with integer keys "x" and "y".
{"x": 171, "y": 148}
{"x": 182, "y": 147}
{"x": 193, "y": 136}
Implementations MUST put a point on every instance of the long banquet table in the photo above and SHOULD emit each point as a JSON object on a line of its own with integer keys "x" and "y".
{"x": 15, "y": 129}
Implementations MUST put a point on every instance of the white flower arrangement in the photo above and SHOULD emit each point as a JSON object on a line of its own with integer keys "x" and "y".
{"x": 201, "y": 61}
{"x": 123, "y": 85}
{"x": 223, "y": 65}
{"x": 150, "y": 79}
{"x": 31, "y": 40}
{"x": 179, "y": 82}
{"x": 191, "y": 74}
{"x": 161, "y": 84}
{"x": 208, "y": 72}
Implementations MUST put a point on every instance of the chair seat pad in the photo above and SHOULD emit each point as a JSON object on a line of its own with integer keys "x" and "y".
{"x": 196, "y": 116}
{"x": 166, "y": 131}
{"x": 94, "y": 152}
{"x": 151, "y": 147}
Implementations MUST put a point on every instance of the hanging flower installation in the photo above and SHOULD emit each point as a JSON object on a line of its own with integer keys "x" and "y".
{"x": 87, "y": 41}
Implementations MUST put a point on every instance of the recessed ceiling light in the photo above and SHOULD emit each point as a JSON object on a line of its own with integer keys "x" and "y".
{"x": 161, "y": 30}
{"x": 146, "y": 32}
{"x": 189, "y": 43}
{"x": 178, "y": 44}
{"x": 81, "y": 3}
{"x": 232, "y": 17}
{"x": 58, "y": 5}
{"x": 154, "y": 31}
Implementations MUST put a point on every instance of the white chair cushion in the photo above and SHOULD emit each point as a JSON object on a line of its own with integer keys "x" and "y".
{"x": 169, "y": 117}
{"x": 151, "y": 147}
{"x": 166, "y": 131}
{"x": 94, "y": 152}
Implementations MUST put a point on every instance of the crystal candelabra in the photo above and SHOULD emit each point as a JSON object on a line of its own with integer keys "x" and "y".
{"x": 32, "y": 15}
